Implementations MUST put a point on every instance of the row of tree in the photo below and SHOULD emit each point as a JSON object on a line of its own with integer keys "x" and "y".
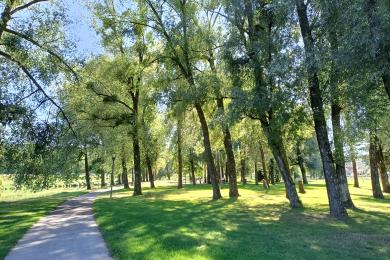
{"x": 259, "y": 77}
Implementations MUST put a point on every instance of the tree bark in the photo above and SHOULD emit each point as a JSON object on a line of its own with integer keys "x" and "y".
{"x": 272, "y": 171}
{"x": 301, "y": 163}
{"x": 150, "y": 173}
{"x": 266, "y": 179}
{"x": 179, "y": 156}
{"x": 339, "y": 155}
{"x": 124, "y": 174}
{"x": 376, "y": 187}
{"x": 256, "y": 175}
{"x": 193, "y": 179}
{"x": 87, "y": 175}
{"x": 336, "y": 206}
{"x": 208, "y": 152}
{"x": 383, "y": 170}
{"x": 136, "y": 147}
{"x": 230, "y": 161}
{"x": 355, "y": 173}
{"x": 301, "y": 187}
{"x": 137, "y": 167}
{"x": 281, "y": 160}
{"x": 243, "y": 169}
{"x": 102, "y": 180}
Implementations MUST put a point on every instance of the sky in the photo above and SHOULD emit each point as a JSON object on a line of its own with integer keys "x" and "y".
{"x": 81, "y": 31}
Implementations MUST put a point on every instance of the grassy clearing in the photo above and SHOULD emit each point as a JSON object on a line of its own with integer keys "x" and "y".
{"x": 169, "y": 224}
{"x": 19, "y": 210}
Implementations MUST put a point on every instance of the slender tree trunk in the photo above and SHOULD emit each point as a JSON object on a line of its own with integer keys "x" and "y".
{"x": 193, "y": 171}
{"x": 179, "y": 156}
{"x": 272, "y": 171}
{"x": 281, "y": 161}
{"x": 119, "y": 179}
{"x": 136, "y": 147}
{"x": 339, "y": 155}
{"x": 231, "y": 175}
{"x": 276, "y": 144}
{"x": 263, "y": 163}
{"x": 243, "y": 169}
{"x": 301, "y": 163}
{"x": 102, "y": 180}
{"x": 137, "y": 167}
{"x": 208, "y": 152}
{"x": 336, "y": 206}
{"x": 383, "y": 170}
{"x": 87, "y": 175}
{"x": 376, "y": 187}
{"x": 256, "y": 175}
{"x": 124, "y": 174}
{"x": 355, "y": 173}
{"x": 150, "y": 173}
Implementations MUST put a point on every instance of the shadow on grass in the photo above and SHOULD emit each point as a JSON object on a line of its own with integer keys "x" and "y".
{"x": 155, "y": 226}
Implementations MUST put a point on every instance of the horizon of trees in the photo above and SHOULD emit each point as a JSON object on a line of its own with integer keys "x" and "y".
{"x": 213, "y": 90}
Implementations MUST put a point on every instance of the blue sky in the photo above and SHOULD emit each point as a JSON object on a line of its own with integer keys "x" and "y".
{"x": 80, "y": 31}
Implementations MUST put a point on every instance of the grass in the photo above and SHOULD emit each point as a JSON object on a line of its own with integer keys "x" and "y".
{"x": 19, "y": 210}
{"x": 167, "y": 223}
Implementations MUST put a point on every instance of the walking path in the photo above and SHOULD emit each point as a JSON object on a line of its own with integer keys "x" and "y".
{"x": 69, "y": 232}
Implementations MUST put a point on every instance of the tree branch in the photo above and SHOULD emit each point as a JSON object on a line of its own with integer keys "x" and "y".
{"x": 35, "y": 82}
{"x": 21, "y": 7}
{"x": 113, "y": 98}
{"x": 27, "y": 38}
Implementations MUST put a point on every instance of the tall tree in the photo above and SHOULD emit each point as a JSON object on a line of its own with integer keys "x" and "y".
{"x": 184, "y": 60}
{"x": 336, "y": 206}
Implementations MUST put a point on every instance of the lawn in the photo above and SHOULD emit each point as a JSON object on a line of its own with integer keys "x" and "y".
{"x": 19, "y": 210}
{"x": 170, "y": 224}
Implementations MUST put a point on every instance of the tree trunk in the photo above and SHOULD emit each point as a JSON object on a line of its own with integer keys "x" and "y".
{"x": 179, "y": 156}
{"x": 355, "y": 173}
{"x": 256, "y": 175}
{"x": 124, "y": 174}
{"x": 208, "y": 152}
{"x": 339, "y": 155}
{"x": 231, "y": 175}
{"x": 376, "y": 187}
{"x": 336, "y": 206}
{"x": 137, "y": 167}
{"x": 301, "y": 187}
{"x": 281, "y": 160}
{"x": 87, "y": 175}
{"x": 272, "y": 171}
{"x": 301, "y": 163}
{"x": 193, "y": 171}
{"x": 263, "y": 163}
{"x": 383, "y": 170}
{"x": 119, "y": 179}
{"x": 136, "y": 147}
{"x": 243, "y": 169}
{"x": 150, "y": 173}
{"x": 102, "y": 180}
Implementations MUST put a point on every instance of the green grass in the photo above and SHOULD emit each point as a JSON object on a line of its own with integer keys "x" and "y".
{"x": 19, "y": 210}
{"x": 169, "y": 224}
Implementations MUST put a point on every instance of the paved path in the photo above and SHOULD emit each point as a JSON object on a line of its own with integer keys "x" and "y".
{"x": 69, "y": 232}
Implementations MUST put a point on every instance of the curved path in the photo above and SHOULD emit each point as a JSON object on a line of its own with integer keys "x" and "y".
{"x": 69, "y": 232}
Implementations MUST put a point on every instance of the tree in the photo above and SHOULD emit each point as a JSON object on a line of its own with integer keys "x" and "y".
{"x": 181, "y": 34}
{"x": 337, "y": 209}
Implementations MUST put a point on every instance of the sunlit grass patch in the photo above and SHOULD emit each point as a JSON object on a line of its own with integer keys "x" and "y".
{"x": 167, "y": 223}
